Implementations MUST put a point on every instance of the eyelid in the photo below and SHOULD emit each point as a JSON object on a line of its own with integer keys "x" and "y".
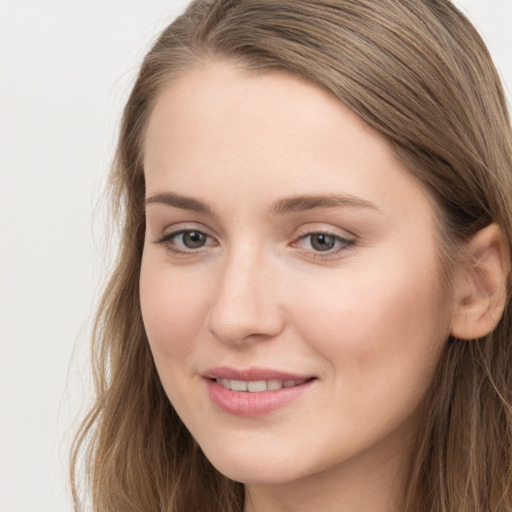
{"x": 167, "y": 239}
{"x": 178, "y": 227}
{"x": 178, "y": 232}
{"x": 344, "y": 240}
{"x": 328, "y": 229}
{"x": 347, "y": 241}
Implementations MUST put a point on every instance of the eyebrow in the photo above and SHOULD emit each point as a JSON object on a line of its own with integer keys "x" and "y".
{"x": 304, "y": 203}
{"x": 179, "y": 201}
{"x": 287, "y": 205}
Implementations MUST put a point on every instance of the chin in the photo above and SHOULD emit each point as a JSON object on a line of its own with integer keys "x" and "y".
{"x": 248, "y": 467}
{"x": 247, "y": 474}
{"x": 242, "y": 467}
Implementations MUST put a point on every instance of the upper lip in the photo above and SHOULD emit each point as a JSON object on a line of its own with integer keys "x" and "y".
{"x": 252, "y": 374}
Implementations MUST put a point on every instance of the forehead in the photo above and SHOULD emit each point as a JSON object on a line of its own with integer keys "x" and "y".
{"x": 220, "y": 127}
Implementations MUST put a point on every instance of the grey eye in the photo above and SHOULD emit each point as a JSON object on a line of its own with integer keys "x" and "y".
{"x": 322, "y": 241}
{"x": 193, "y": 239}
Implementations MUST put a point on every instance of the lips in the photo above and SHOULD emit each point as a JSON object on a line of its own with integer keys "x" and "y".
{"x": 254, "y": 391}
{"x": 252, "y": 374}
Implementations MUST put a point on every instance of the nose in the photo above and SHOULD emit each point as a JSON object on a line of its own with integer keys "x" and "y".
{"x": 245, "y": 307}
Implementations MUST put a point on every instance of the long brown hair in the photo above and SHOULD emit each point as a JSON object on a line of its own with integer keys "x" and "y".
{"x": 418, "y": 73}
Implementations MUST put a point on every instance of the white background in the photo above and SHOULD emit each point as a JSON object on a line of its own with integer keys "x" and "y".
{"x": 65, "y": 71}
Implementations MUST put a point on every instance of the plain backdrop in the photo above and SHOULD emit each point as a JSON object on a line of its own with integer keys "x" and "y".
{"x": 66, "y": 67}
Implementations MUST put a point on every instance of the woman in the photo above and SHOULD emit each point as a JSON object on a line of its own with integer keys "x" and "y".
{"x": 310, "y": 307}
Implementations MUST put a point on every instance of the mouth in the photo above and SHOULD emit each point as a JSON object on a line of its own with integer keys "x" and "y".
{"x": 257, "y": 386}
{"x": 254, "y": 392}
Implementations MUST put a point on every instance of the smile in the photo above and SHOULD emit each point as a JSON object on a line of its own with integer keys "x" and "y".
{"x": 257, "y": 386}
{"x": 254, "y": 392}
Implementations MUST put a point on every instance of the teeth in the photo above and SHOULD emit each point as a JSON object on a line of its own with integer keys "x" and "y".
{"x": 254, "y": 386}
{"x": 274, "y": 384}
{"x": 239, "y": 385}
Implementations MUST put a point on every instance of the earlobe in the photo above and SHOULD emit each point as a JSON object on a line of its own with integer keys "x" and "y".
{"x": 481, "y": 287}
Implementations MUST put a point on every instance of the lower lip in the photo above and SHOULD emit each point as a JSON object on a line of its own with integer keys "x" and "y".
{"x": 245, "y": 403}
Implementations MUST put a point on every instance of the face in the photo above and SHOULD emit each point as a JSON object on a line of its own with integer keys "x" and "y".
{"x": 289, "y": 285}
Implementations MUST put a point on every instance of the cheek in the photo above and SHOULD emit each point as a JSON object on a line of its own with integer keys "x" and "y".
{"x": 380, "y": 325}
{"x": 173, "y": 308}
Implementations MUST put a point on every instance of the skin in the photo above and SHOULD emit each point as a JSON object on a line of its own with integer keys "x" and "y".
{"x": 367, "y": 319}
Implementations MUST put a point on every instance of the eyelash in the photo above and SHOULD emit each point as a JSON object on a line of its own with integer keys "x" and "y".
{"x": 169, "y": 243}
{"x": 343, "y": 243}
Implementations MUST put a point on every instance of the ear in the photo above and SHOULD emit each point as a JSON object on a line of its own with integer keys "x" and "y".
{"x": 481, "y": 286}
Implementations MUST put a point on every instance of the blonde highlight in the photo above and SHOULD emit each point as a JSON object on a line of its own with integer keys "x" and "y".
{"x": 418, "y": 73}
